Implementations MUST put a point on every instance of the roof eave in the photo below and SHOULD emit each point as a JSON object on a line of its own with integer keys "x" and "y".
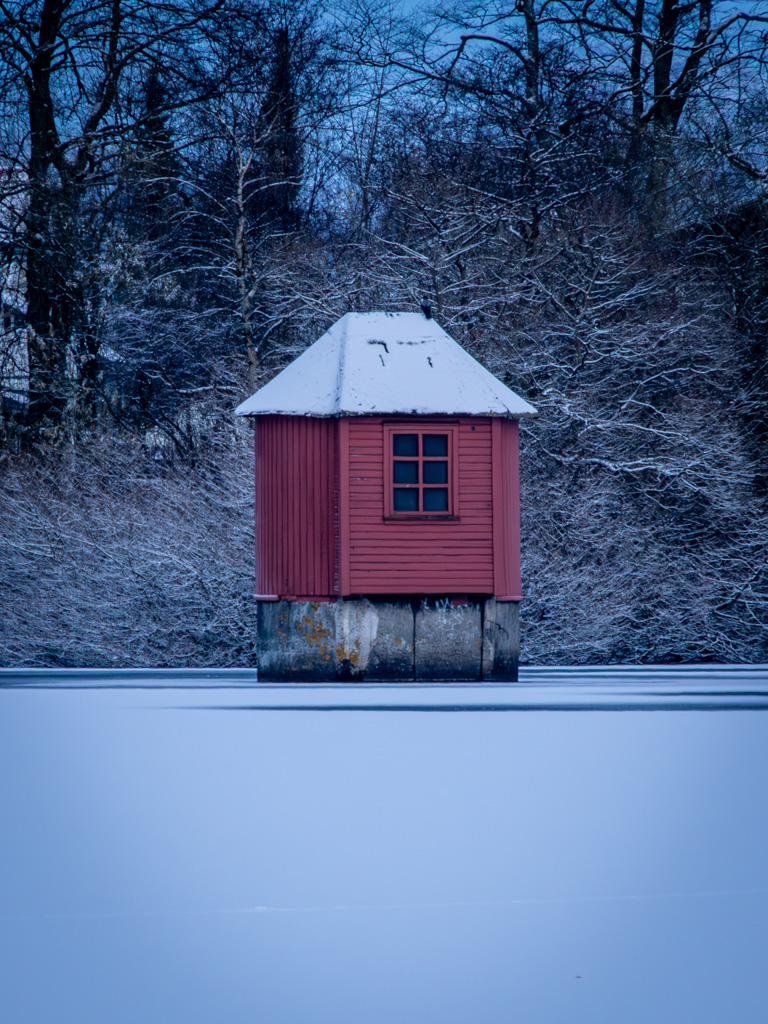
{"x": 392, "y": 412}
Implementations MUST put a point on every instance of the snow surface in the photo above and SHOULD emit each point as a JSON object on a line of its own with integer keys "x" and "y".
{"x": 432, "y": 864}
{"x": 373, "y": 363}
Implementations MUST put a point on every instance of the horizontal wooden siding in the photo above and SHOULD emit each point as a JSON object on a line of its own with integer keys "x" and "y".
{"x": 414, "y": 556}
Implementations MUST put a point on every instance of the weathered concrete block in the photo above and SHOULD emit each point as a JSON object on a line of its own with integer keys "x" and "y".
{"x": 501, "y": 640}
{"x": 392, "y": 650}
{"x": 297, "y": 641}
{"x": 314, "y": 641}
{"x": 356, "y": 627}
{"x": 308, "y": 641}
{"x": 448, "y": 642}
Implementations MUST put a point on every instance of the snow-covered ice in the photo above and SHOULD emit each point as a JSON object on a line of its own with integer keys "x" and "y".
{"x": 230, "y": 853}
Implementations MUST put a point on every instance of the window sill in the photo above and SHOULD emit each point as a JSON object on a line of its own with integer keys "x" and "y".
{"x": 399, "y": 517}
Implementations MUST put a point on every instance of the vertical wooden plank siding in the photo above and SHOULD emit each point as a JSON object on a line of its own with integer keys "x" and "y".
{"x": 295, "y": 468}
{"x": 506, "y": 510}
{"x": 390, "y": 556}
{"x": 500, "y": 557}
{"x": 258, "y": 506}
{"x": 345, "y": 477}
{"x": 511, "y": 432}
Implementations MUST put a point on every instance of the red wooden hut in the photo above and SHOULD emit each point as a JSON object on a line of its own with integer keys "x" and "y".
{"x": 387, "y": 489}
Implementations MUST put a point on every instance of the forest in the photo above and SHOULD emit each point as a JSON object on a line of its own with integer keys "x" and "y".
{"x": 192, "y": 191}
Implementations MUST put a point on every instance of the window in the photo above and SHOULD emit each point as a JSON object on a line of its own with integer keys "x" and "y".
{"x": 420, "y": 470}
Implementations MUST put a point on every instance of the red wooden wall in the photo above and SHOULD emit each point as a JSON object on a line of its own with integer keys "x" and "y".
{"x": 418, "y": 556}
{"x": 296, "y": 486}
{"x": 506, "y": 509}
{"x": 320, "y": 525}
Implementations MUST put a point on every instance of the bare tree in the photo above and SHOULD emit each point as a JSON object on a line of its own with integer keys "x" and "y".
{"x": 70, "y": 71}
{"x": 254, "y": 168}
{"x": 651, "y": 67}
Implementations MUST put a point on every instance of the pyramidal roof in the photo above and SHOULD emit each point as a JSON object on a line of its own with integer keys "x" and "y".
{"x": 385, "y": 363}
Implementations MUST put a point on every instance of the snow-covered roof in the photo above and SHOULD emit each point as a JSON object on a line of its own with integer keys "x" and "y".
{"x": 370, "y": 363}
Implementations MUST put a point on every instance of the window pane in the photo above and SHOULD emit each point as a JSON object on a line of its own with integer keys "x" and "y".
{"x": 435, "y": 499}
{"x": 407, "y": 473}
{"x": 435, "y": 444}
{"x": 406, "y": 499}
{"x": 405, "y": 444}
{"x": 435, "y": 473}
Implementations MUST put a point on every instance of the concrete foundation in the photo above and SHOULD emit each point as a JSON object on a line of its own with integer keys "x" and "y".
{"x": 390, "y": 640}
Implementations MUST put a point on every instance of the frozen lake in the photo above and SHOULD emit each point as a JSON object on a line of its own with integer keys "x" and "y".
{"x": 584, "y": 846}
